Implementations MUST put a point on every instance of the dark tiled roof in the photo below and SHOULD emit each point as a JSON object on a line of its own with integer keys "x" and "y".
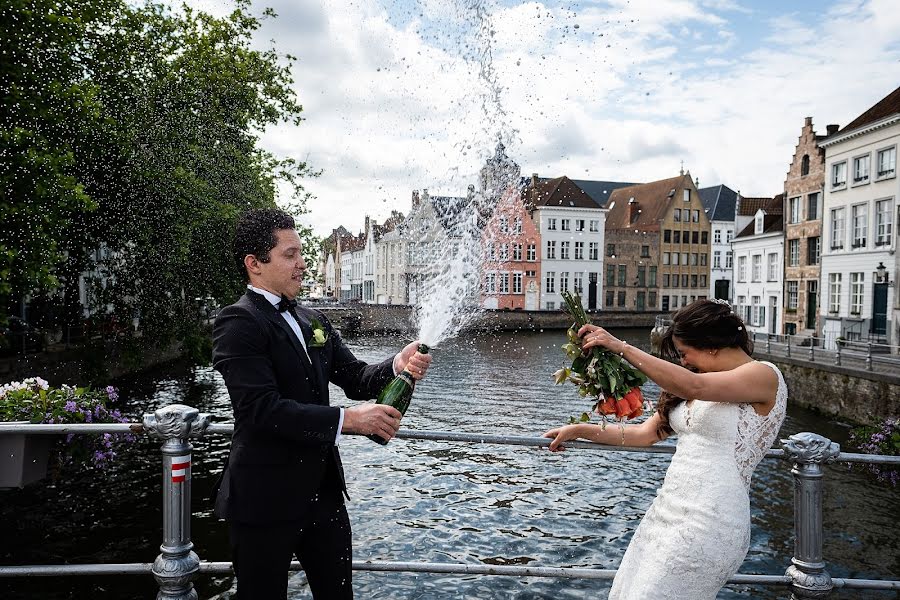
{"x": 887, "y": 106}
{"x": 719, "y": 202}
{"x": 749, "y": 206}
{"x": 599, "y": 191}
{"x": 771, "y": 223}
{"x": 560, "y": 191}
{"x": 653, "y": 200}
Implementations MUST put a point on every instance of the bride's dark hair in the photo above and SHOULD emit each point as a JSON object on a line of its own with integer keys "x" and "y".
{"x": 704, "y": 325}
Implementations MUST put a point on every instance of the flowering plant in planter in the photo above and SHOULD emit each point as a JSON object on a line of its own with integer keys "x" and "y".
{"x": 33, "y": 400}
{"x": 611, "y": 383}
{"x": 883, "y": 439}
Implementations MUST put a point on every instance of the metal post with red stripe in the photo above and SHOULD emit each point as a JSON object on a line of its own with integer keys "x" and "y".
{"x": 177, "y": 565}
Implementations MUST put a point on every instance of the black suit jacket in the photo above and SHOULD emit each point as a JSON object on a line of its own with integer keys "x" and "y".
{"x": 283, "y": 450}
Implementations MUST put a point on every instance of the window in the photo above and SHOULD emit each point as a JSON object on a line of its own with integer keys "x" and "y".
{"x": 813, "y": 250}
{"x": 621, "y": 298}
{"x": 579, "y": 250}
{"x": 856, "y": 293}
{"x": 665, "y": 302}
{"x": 756, "y": 269}
{"x": 729, "y": 235}
{"x": 551, "y": 224}
{"x": 667, "y": 236}
{"x": 551, "y": 306}
{"x": 837, "y": 228}
{"x": 645, "y": 251}
{"x": 860, "y": 216}
{"x": 651, "y": 300}
{"x": 490, "y": 283}
{"x": 504, "y": 225}
{"x": 793, "y": 294}
{"x": 693, "y": 281}
{"x": 579, "y": 224}
{"x": 794, "y": 210}
{"x": 774, "y": 269}
{"x": 677, "y": 236}
{"x": 610, "y": 297}
{"x": 592, "y": 251}
{"x": 578, "y": 279}
{"x": 665, "y": 258}
{"x": 610, "y": 275}
{"x": 834, "y": 292}
{"x": 729, "y": 262}
{"x": 517, "y": 283}
{"x": 839, "y": 174}
{"x": 703, "y": 259}
{"x": 642, "y": 276}
{"x": 887, "y": 162}
{"x": 675, "y": 258}
{"x": 717, "y": 259}
{"x": 804, "y": 165}
{"x": 694, "y": 259}
{"x": 564, "y": 250}
{"x": 703, "y": 283}
{"x": 504, "y": 282}
{"x": 742, "y": 268}
{"x": 861, "y": 169}
{"x": 492, "y": 252}
{"x": 695, "y": 216}
{"x": 704, "y": 237}
{"x": 550, "y": 286}
{"x": 759, "y": 223}
{"x": 565, "y": 224}
{"x": 739, "y": 305}
{"x": 794, "y": 253}
{"x": 686, "y": 237}
{"x": 666, "y": 280}
{"x": 687, "y": 195}
{"x": 504, "y": 251}
{"x": 623, "y": 271}
{"x": 531, "y": 253}
{"x": 530, "y": 273}
{"x": 652, "y": 282}
{"x": 684, "y": 280}
{"x": 717, "y": 236}
{"x": 595, "y": 225}
{"x": 812, "y": 207}
{"x": 610, "y": 249}
{"x": 757, "y": 314}
{"x": 676, "y": 215}
{"x": 518, "y": 226}
{"x": 551, "y": 249}
{"x": 564, "y": 281}
{"x": 884, "y": 210}
{"x": 517, "y": 252}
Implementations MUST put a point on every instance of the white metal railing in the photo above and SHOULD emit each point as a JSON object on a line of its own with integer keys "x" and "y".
{"x": 177, "y": 566}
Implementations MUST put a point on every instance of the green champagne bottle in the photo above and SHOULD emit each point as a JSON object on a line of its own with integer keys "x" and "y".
{"x": 398, "y": 394}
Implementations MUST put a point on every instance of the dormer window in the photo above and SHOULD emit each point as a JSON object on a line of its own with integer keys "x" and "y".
{"x": 759, "y": 223}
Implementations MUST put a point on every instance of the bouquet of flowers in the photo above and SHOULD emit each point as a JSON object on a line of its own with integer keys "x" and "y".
{"x": 610, "y": 381}
{"x": 33, "y": 400}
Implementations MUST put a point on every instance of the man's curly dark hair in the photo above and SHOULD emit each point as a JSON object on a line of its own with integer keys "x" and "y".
{"x": 255, "y": 234}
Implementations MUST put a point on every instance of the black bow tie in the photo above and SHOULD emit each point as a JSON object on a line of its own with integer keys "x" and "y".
{"x": 286, "y": 304}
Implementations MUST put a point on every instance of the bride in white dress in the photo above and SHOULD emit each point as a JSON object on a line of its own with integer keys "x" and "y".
{"x": 697, "y": 531}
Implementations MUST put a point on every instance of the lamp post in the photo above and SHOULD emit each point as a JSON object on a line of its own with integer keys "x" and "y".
{"x": 881, "y": 273}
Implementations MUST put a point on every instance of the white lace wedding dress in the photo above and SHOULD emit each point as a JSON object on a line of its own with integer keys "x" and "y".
{"x": 697, "y": 531}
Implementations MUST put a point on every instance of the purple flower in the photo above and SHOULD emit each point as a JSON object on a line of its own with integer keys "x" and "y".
{"x": 71, "y": 406}
{"x": 112, "y": 392}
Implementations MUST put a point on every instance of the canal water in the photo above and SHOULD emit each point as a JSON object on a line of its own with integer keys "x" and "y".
{"x": 440, "y": 501}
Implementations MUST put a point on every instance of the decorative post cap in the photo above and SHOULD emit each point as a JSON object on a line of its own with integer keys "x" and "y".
{"x": 808, "y": 448}
{"x": 176, "y": 421}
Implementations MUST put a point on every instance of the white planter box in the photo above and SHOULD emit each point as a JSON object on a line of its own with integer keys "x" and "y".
{"x": 23, "y": 458}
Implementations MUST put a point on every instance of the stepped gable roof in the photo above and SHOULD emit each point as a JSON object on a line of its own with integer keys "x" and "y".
{"x": 719, "y": 202}
{"x": 599, "y": 191}
{"x": 772, "y": 221}
{"x": 450, "y": 210}
{"x": 560, "y": 191}
{"x": 390, "y": 224}
{"x": 653, "y": 200}
{"x": 887, "y": 106}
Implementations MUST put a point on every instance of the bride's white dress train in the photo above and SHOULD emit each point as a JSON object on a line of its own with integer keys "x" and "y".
{"x": 697, "y": 531}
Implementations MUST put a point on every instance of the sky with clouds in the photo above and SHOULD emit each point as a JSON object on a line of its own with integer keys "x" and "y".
{"x": 401, "y": 95}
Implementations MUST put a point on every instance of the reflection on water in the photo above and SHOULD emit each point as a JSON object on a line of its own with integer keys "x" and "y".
{"x": 441, "y": 501}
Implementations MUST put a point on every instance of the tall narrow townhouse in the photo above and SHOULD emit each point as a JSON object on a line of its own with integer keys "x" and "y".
{"x": 571, "y": 228}
{"x": 657, "y": 246}
{"x": 803, "y": 190}
{"x": 388, "y": 260}
{"x": 759, "y": 266}
{"x": 859, "y": 267}
{"x": 720, "y": 202}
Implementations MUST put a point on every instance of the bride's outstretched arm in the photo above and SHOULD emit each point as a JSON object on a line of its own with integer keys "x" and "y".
{"x": 751, "y": 383}
{"x": 642, "y": 434}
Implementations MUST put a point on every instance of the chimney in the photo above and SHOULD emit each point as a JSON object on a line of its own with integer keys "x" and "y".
{"x": 534, "y": 179}
{"x": 697, "y": 182}
{"x": 807, "y": 122}
{"x": 415, "y": 198}
{"x": 633, "y": 211}
{"x": 832, "y": 129}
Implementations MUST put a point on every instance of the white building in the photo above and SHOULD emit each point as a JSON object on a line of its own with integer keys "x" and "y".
{"x": 759, "y": 269}
{"x": 859, "y": 211}
{"x": 572, "y": 231}
{"x": 720, "y": 202}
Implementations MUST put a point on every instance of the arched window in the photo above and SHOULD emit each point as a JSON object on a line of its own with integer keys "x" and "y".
{"x": 804, "y": 165}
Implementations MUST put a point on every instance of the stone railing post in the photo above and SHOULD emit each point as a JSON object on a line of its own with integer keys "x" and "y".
{"x": 837, "y": 354}
{"x": 787, "y": 344}
{"x": 808, "y": 452}
{"x": 869, "y": 356}
{"x": 177, "y": 565}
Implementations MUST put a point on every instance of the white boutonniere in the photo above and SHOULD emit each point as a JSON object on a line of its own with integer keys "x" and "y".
{"x": 319, "y": 337}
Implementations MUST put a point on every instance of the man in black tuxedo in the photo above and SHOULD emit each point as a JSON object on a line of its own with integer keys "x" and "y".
{"x": 282, "y": 489}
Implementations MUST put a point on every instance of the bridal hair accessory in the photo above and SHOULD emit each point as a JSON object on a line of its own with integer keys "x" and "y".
{"x": 723, "y": 302}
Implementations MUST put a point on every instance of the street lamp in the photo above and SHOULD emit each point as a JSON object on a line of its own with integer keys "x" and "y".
{"x": 881, "y": 273}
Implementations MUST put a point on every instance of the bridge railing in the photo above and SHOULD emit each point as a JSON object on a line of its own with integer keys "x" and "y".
{"x": 866, "y": 355}
{"x": 178, "y": 566}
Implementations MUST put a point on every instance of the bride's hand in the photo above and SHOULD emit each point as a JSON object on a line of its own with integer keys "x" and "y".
{"x": 599, "y": 337}
{"x": 560, "y": 435}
